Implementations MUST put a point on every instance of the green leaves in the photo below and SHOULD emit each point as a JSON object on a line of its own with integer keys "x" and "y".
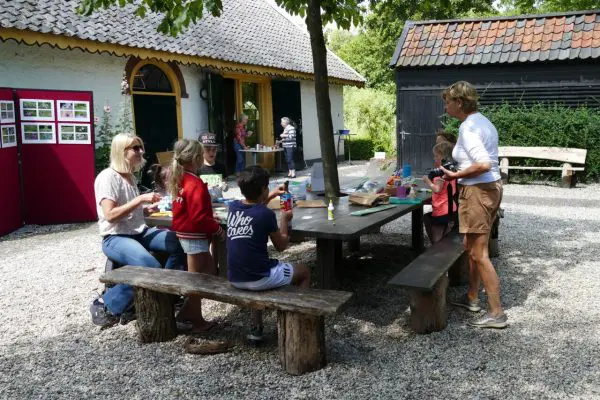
{"x": 177, "y": 14}
{"x": 370, "y": 114}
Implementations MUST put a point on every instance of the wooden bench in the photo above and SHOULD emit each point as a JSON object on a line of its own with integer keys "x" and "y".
{"x": 568, "y": 156}
{"x": 427, "y": 283}
{"x": 300, "y": 316}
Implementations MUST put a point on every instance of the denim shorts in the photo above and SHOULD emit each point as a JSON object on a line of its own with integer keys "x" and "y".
{"x": 194, "y": 246}
{"x": 281, "y": 275}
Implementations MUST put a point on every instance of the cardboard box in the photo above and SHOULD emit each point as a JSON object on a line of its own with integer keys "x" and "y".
{"x": 369, "y": 199}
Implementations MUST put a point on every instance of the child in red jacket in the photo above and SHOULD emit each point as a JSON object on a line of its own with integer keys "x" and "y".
{"x": 193, "y": 222}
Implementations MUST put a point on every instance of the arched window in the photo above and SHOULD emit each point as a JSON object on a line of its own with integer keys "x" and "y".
{"x": 151, "y": 78}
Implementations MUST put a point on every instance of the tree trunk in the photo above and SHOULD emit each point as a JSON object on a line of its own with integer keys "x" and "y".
{"x": 314, "y": 24}
{"x": 155, "y": 316}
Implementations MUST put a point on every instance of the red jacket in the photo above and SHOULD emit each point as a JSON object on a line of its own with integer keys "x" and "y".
{"x": 192, "y": 210}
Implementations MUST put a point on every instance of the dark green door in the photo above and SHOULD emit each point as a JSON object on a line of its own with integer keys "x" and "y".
{"x": 156, "y": 124}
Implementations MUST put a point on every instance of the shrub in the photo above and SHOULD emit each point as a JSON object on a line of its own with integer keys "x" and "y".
{"x": 104, "y": 135}
{"x": 547, "y": 126}
{"x": 360, "y": 149}
{"x": 370, "y": 114}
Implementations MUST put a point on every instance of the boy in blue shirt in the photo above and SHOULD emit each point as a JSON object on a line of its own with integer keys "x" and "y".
{"x": 250, "y": 224}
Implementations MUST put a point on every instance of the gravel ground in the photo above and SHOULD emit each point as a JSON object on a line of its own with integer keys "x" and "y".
{"x": 549, "y": 274}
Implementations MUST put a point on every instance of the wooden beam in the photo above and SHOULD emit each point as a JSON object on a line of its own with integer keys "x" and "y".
{"x": 543, "y": 168}
{"x": 564, "y": 154}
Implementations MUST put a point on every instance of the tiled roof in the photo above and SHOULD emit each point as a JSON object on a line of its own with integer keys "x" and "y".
{"x": 519, "y": 39}
{"x": 247, "y": 32}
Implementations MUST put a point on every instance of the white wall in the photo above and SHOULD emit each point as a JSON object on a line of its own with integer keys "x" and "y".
{"x": 33, "y": 67}
{"x": 310, "y": 125}
{"x": 194, "y": 110}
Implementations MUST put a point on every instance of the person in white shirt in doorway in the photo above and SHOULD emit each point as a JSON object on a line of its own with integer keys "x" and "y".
{"x": 476, "y": 153}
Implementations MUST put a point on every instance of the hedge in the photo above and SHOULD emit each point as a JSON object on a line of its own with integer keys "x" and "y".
{"x": 546, "y": 125}
{"x": 360, "y": 149}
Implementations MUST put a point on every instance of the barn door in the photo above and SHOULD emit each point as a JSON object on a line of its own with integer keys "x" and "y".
{"x": 10, "y": 200}
{"x": 415, "y": 111}
{"x": 57, "y": 156}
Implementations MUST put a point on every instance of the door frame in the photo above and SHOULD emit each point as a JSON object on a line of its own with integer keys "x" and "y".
{"x": 173, "y": 80}
{"x": 265, "y": 104}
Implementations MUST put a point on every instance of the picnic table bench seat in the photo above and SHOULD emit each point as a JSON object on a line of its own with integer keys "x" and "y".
{"x": 568, "y": 156}
{"x": 426, "y": 280}
{"x": 300, "y": 311}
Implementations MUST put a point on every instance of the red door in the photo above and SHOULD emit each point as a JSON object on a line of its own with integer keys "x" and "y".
{"x": 57, "y": 155}
{"x": 10, "y": 199}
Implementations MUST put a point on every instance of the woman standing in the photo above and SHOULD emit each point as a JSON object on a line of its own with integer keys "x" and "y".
{"x": 288, "y": 141}
{"x": 126, "y": 239}
{"x": 239, "y": 142}
{"x": 476, "y": 153}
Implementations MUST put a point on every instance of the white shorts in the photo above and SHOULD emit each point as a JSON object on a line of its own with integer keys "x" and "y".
{"x": 194, "y": 246}
{"x": 281, "y": 275}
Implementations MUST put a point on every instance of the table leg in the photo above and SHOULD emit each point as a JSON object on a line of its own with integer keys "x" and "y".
{"x": 221, "y": 257}
{"x": 354, "y": 244}
{"x": 329, "y": 258}
{"x": 417, "y": 230}
{"x": 255, "y": 157}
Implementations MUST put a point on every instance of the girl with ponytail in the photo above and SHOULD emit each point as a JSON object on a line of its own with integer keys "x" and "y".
{"x": 193, "y": 222}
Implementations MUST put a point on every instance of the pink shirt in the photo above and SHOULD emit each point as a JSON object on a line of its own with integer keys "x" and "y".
{"x": 439, "y": 201}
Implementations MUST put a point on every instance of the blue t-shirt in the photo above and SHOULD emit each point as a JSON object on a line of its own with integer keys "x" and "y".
{"x": 248, "y": 229}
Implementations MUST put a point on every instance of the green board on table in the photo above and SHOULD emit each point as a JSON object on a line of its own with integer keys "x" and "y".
{"x": 372, "y": 210}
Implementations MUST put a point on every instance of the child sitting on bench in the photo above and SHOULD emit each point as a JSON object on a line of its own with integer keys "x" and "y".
{"x": 250, "y": 224}
{"x": 438, "y": 223}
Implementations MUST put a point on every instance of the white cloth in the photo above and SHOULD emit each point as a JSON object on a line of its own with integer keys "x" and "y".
{"x": 477, "y": 143}
{"x": 281, "y": 275}
{"x": 111, "y": 185}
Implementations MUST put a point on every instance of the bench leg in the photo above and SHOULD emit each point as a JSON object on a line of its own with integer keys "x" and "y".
{"x": 458, "y": 274}
{"x": 428, "y": 309}
{"x": 504, "y": 170}
{"x": 493, "y": 249}
{"x": 155, "y": 316}
{"x": 567, "y": 176}
{"x": 301, "y": 340}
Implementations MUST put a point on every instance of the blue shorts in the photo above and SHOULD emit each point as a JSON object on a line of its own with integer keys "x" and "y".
{"x": 281, "y": 275}
{"x": 194, "y": 246}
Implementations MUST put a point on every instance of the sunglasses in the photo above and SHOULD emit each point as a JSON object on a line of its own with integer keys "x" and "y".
{"x": 136, "y": 148}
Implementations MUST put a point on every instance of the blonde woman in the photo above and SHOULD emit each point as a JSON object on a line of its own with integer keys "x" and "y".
{"x": 193, "y": 222}
{"x": 476, "y": 153}
{"x": 126, "y": 238}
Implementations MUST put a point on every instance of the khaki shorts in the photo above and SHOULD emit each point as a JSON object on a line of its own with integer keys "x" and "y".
{"x": 478, "y": 205}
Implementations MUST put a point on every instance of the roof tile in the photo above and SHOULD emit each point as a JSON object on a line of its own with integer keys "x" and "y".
{"x": 503, "y": 40}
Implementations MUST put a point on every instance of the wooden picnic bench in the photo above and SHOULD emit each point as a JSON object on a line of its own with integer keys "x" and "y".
{"x": 568, "y": 156}
{"x": 300, "y": 311}
{"x": 426, "y": 280}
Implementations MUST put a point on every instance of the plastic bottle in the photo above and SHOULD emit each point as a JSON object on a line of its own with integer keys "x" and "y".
{"x": 406, "y": 170}
{"x": 330, "y": 209}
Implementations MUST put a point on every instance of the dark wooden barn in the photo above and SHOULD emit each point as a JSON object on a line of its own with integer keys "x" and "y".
{"x": 528, "y": 59}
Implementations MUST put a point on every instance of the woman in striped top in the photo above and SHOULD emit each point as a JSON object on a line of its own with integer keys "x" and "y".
{"x": 288, "y": 141}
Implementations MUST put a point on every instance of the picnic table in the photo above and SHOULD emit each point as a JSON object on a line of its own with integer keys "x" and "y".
{"x": 255, "y": 153}
{"x": 312, "y": 222}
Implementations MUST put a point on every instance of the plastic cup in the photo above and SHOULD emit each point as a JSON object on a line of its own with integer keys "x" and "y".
{"x": 400, "y": 192}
